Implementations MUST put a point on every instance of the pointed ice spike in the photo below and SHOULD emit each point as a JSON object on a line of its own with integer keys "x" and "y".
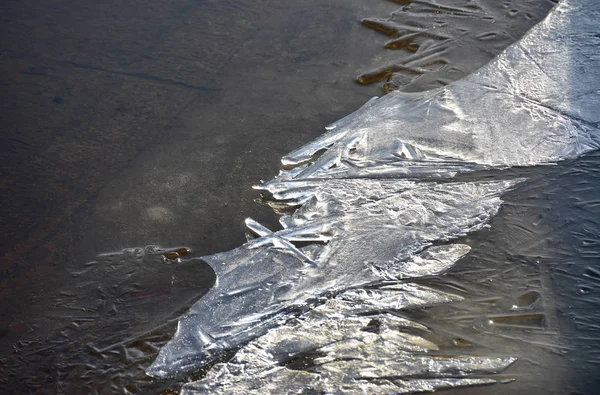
{"x": 283, "y": 245}
{"x": 256, "y": 227}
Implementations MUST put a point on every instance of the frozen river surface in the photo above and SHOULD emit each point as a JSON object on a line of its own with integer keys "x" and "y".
{"x": 386, "y": 275}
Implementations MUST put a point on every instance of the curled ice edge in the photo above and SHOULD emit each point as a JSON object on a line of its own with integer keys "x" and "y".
{"x": 522, "y": 109}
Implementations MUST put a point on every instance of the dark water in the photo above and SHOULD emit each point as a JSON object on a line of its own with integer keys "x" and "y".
{"x": 146, "y": 123}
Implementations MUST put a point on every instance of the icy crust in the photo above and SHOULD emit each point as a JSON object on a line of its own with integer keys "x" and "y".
{"x": 353, "y": 343}
{"x": 538, "y": 102}
{"x": 362, "y": 231}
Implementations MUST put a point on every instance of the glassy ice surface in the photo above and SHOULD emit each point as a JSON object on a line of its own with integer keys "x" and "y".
{"x": 319, "y": 303}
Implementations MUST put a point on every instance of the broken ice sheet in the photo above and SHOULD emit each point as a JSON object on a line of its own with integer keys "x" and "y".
{"x": 369, "y": 238}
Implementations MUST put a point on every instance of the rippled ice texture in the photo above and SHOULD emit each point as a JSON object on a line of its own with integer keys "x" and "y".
{"x": 316, "y": 303}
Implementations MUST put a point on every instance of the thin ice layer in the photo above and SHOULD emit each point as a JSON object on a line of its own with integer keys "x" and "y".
{"x": 536, "y": 103}
{"x": 368, "y": 238}
{"x": 350, "y": 344}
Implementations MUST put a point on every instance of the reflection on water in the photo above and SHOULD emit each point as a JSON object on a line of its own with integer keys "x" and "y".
{"x": 530, "y": 284}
